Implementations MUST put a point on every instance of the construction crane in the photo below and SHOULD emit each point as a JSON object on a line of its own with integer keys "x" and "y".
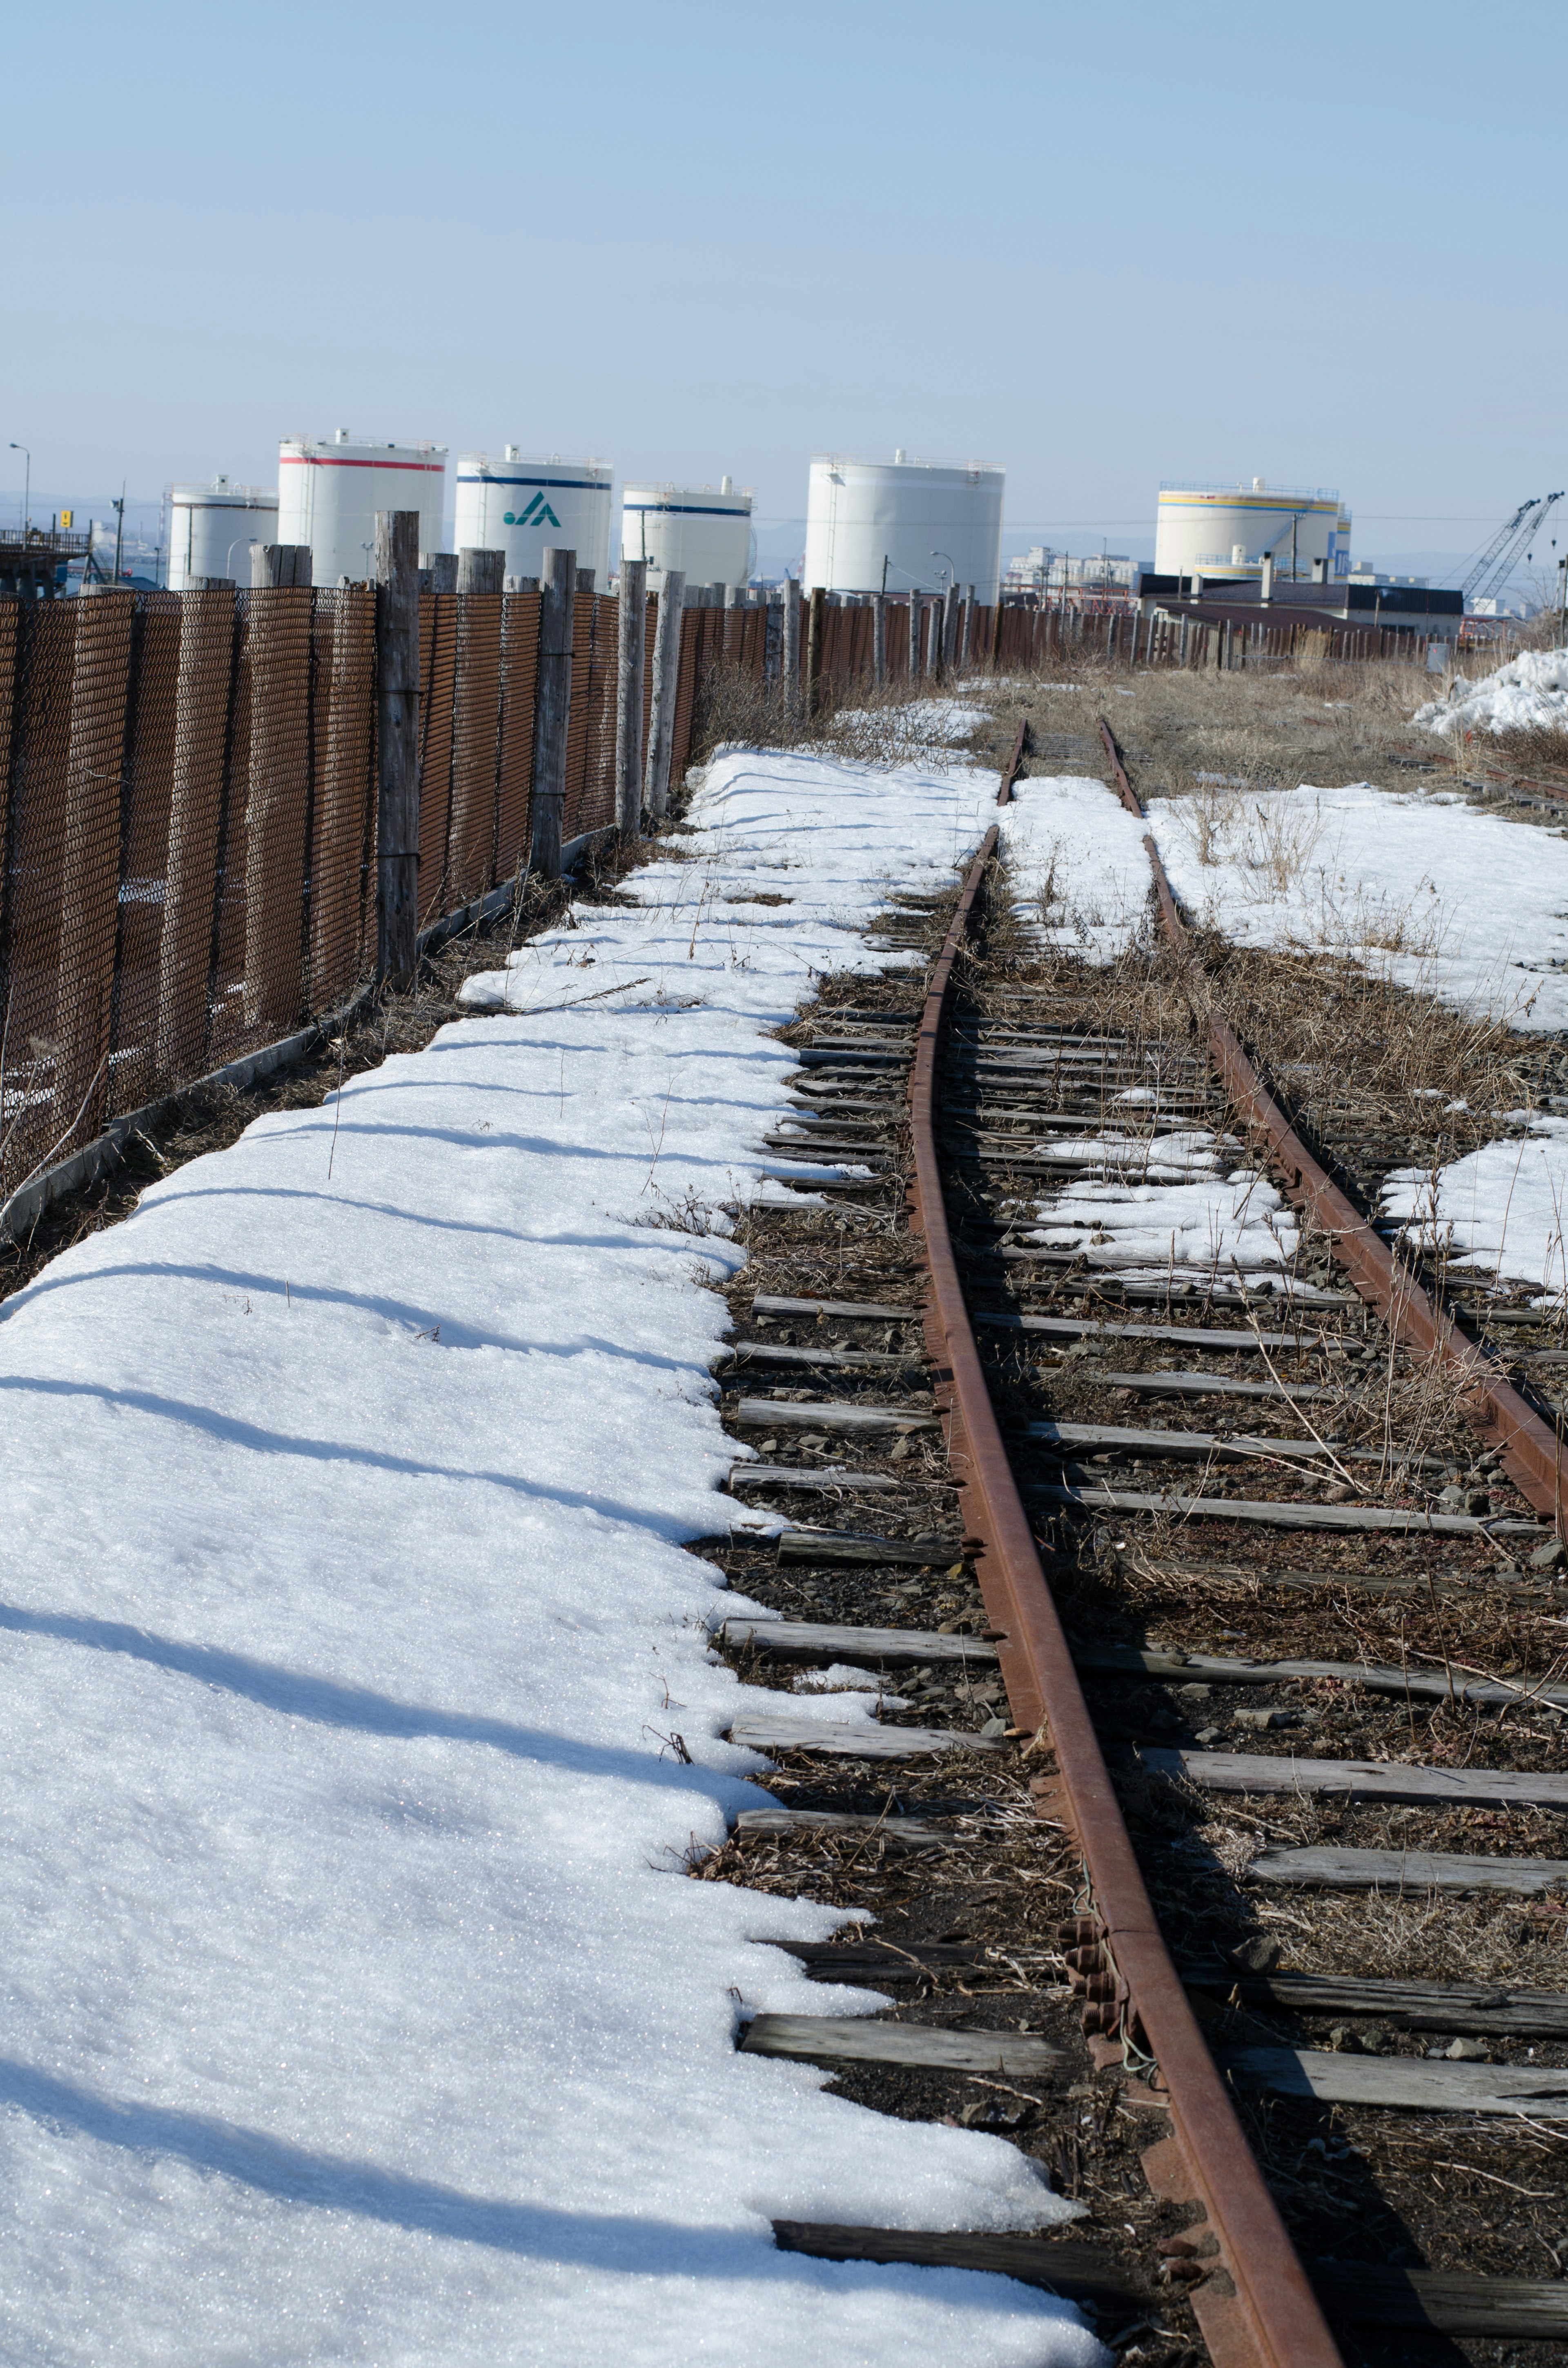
{"x": 1495, "y": 561}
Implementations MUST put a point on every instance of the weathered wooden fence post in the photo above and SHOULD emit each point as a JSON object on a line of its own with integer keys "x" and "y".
{"x": 629, "y": 653}
{"x": 967, "y": 632}
{"x": 880, "y": 637}
{"x": 814, "y": 626}
{"x": 773, "y": 643}
{"x": 480, "y": 571}
{"x": 553, "y": 707}
{"x": 397, "y": 743}
{"x": 666, "y": 682}
{"x": 913, "y": 634}
{"x": 791, "y": 643}
{"x": 950, "y": 627}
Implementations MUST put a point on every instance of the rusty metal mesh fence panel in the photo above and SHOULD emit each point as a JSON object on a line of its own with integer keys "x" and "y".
{"x": 200, "y": 779}
{"x": 43, "y": 677}
{"x": 152, "y": 711}
{"x": 471, "y": 831}
{"x": 515, "y": 758}
{"x": 577, "y": 712}
{"x": 438, "y": 670}
{"x": 686, "y": 693}
{"x": 650, "y": 635}
{"x": 341, "y": 918}
{"x": 597, "y": 806}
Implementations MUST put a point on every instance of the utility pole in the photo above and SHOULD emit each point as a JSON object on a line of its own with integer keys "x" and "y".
{"x": 118, "y": 508}
{"x": 27, "y": 487}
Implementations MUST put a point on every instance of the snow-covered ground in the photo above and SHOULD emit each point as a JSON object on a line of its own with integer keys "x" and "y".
{"x": 1080, "y": 874}
{"x": 1221, "y": 1224}
{"x": 1531, "y": 689}
{"x": 1446, "y": 901}
{"x": 1500, "y": 1209}
{"x": 358, "y": 1711}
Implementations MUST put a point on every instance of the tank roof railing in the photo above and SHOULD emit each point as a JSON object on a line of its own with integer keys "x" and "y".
{"x": 671, "y": 485}
{"x": 1261, "y": 492}
{"x": 920, "y": 460}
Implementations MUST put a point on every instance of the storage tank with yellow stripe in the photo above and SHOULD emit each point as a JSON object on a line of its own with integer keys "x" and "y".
{"x": 1227, "y": 531}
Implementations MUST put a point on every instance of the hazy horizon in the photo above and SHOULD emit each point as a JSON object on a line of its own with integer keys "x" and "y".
{"x": 1103, "y": 250}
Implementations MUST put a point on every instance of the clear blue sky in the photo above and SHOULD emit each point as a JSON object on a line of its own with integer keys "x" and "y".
{"x": 1103, "y": 246}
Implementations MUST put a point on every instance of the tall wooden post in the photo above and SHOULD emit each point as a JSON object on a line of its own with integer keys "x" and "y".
{"x": 913, "y": 634}
{"x": 552, "y": 708}
{"x": 792, "y": 642}
{"x": 967, "y": 629}
{"x": 773, "y": 643}
{"x": 814, "y": 626}
{"x": 630, "y": 651}
{"x": 666, "y": 681}
{"x": 273, "y": 565}
{"x": 397, "y": 745}
{"x": 441, "y": 567}
{"x": 480, "y": 571}
{"x": 880, "y": 636}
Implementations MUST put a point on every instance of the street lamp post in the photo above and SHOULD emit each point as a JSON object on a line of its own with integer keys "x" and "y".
{"x": 26, "y": 488}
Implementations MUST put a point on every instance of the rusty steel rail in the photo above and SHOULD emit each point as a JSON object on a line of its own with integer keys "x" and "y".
{"x": 1531, "y": 1449}
{"x": 1253, "y": 2300}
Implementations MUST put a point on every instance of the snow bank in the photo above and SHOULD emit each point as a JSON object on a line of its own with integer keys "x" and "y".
{"x": 1500, "y": 1209}
{"x": 1530, "y": 691}
{"x": 1080, "y": 875}
{"x": 1419, "y": 888}
{"x": 359, "y": 1714}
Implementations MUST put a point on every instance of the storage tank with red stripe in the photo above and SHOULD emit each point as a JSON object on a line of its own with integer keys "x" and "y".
{"x": 330, "y": 487}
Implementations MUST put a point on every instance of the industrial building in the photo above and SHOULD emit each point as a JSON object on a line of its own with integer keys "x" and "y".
{"x": 1052, "y": 574}
{"x": 329, "y": 489}
{"x": 1225, "y": 533}
{"x": 703, "y": 529}
{"x": 903, "y": 525}
{"x": 524, "y": 508}
{"x": 211, "y": 528}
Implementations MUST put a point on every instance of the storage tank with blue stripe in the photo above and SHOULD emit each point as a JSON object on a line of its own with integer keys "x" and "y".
{"x": 524, "y": 507}
{"x": 705, "y": 530}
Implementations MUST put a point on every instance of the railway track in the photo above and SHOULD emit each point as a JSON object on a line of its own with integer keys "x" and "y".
{"x": 1212, "y": 1615}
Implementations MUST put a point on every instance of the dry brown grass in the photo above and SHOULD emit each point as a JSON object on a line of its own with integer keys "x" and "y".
{"x": 853, "y": 719}
{"x": 1260, "y": 728}
{"x": 1540, "y": 753}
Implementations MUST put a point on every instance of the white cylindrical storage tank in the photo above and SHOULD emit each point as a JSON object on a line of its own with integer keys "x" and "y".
{"x": 704, "y": 529}
{"x": 1227, "y": 531}
{"x": 329, "y": 489}
{"x": 916, "y": 525}
{"x": 212, "y": 526}
{"x": 520, "y": 506}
